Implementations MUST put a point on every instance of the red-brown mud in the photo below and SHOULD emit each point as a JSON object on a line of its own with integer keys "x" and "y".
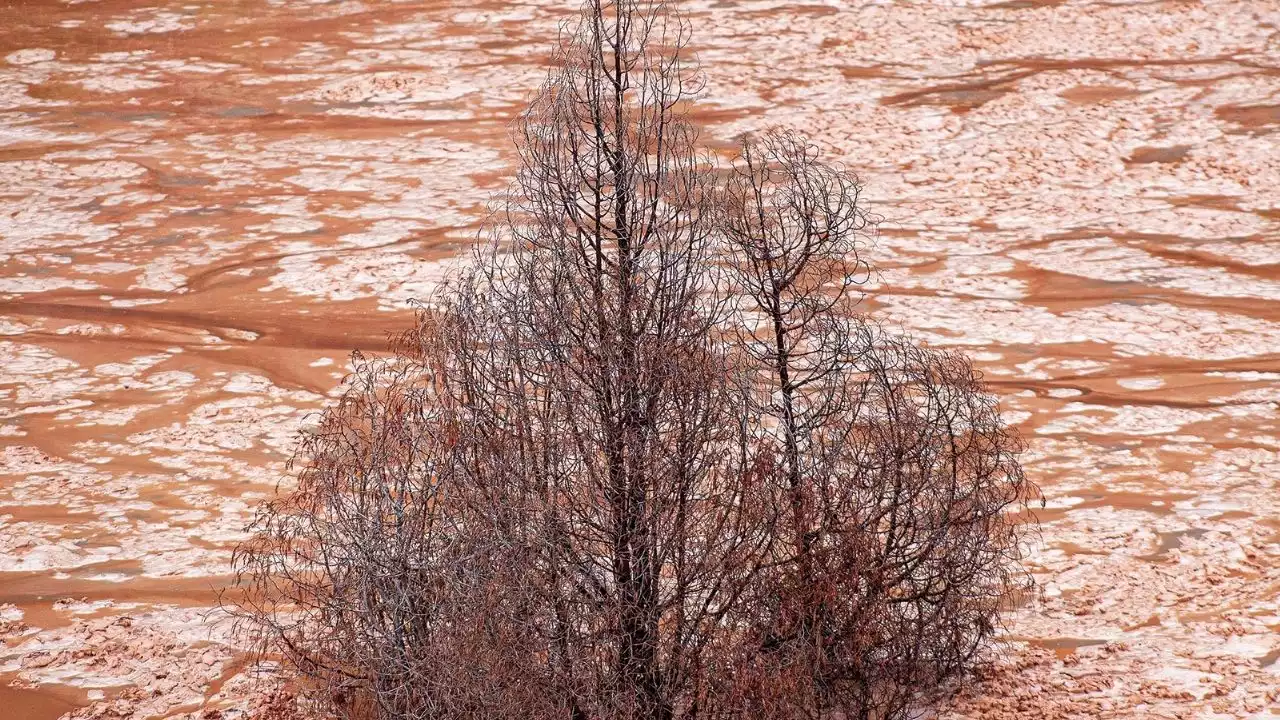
{"x": 204, "y": 206}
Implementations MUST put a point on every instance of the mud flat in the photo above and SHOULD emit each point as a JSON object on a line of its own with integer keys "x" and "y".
{"x": 204, "y": 206}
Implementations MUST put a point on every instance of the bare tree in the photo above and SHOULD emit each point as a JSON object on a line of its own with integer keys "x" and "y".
{"x": 794, "y": 231}
{"x": 624, "y": 414}
{"x": 584, "y": 431}
{"x": 642, "y": 459}
{"x": 898, "y": 469}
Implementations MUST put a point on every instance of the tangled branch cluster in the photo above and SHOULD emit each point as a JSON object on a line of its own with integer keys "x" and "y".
{"x": 645, "y": 459}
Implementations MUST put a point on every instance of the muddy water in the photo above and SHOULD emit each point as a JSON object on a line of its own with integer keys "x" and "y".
{"x": 205, "y": 206}
{"x": 43, "y": 704}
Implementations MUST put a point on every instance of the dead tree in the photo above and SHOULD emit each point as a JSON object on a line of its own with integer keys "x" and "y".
{"x": 625, "y": 416}
{"x": 894, "y": 460}
{"x": 348, "y": 574}
{"x": 642, "y": 459}
{"x": 795, "y": 231}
